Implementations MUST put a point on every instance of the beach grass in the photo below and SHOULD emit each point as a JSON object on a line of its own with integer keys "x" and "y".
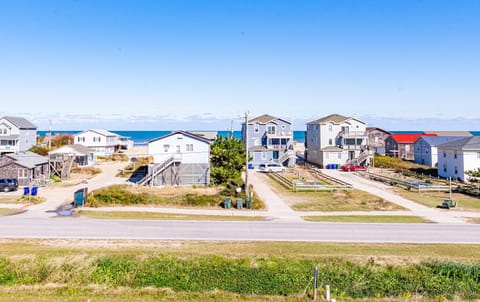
{"x": 432, "y": 199}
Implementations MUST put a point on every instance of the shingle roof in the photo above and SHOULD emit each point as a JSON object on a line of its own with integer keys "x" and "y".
{"x": 336, "y": 118}
{"x": 101, "y": 132}
{"x": 466, "y": 144}
{"x": 28, "y": 159}
{"x": 20, "y": 122}
{"x": 76, "y": 148}
{"x": 262, "y": 119}
{"x": 438, "y": 140}
{"x": 186, "y": 133}
{"x": 408, "y": 138}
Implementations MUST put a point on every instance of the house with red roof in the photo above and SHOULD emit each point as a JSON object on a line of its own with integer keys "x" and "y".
{"x": 401, "y": 145}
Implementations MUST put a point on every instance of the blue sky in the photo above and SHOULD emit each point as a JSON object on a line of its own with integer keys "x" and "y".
{"x": 401, "y": 65}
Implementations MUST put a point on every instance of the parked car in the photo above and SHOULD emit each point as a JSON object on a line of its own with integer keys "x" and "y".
{"x": 8, "y": 184}
{"x": 271, "y": 167}
{"x": 353, "y": 168}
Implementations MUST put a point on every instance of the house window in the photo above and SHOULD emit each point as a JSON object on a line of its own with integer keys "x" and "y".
{"x": 445, "y": 168}
{"x": 270, "y": 129}
{"x": 444, "y": 154}
{"x": 456, "y": 170}
{"x": 22, "y": 173}
{"x": 455, "y": 156}
{"x": 330, "y": 141}
{"x": 426, "y": 151}
{"x": 283, "y": 126}
{"x": 264, "y": 155}
{"x": 178, "y": 149}
{"x": 330, "y": 128}
{"x": 339, "y": 155}
{"x": 189, "y": 147}
{"x": 256, "y": 127}
{"x": 94, "y": 139}
{"x": 78, "y": 139}
{"x": 478, "y": 155}
{"x": 407, "y": 148}
{"x": 99, "y": 139}
{"x": 166, "y": 148}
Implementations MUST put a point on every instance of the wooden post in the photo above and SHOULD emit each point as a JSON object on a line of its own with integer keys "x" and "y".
{"x": 327, "y": 292}
{"x": 315, "y": 282}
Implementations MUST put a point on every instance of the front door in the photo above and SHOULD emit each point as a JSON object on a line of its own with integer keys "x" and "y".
{"x": 351, "y": 154}
{"x": 275, "y": 155}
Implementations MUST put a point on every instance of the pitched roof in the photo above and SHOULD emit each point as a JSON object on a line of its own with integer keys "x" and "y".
{"x": 76, "y": 148}
{"x": 408, "y": 138}
{"x": 28, "y": 159}
{"x": 262, "y": 119}
{"x": 186, "y": 133}
{"x": 376, "y": 128}
{"x": 449, "y": 133}
{"x": 20, "y": 122}
{"x": 438, "y": 140}
{"x": 258, "y": 148}
{"x": 471, "y": 143}
{"x": 336, "y": 118}
{"x": 100, "y": 131}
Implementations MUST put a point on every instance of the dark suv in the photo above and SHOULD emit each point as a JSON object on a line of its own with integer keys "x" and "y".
{"x": 8, "y": 184}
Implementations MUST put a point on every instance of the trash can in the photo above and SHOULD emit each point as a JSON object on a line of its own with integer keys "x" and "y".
{"x": 239, "y": 203}
{"x": 250, "y": 166}
{"x": 34, "y": 191}
{"x": 79, "y": 197}
{"x": 248, "y": 202}
{"x": 26, "y": 190}
{"x": 227, "y": 202}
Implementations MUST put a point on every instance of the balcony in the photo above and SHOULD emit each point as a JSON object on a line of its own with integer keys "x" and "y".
{"x": 353, "y": 134}
{"x": 279, "y": 134}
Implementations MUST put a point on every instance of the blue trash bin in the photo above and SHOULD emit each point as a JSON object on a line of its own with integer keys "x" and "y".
{"x": 26, "y": 190}
{"x": 34, "y": 191}
{"x": 250, "y": 166}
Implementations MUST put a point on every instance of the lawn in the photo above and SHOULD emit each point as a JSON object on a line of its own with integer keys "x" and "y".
{"x": 165, "y": 216}
{"x": 342, "y": 200}
{"x": 368, "y": 219}
{"x": 432, "y": 199}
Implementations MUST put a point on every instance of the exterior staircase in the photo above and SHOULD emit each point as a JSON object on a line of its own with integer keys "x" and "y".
{"x": 363, "y": 157}
{"x": 157, "y": 169}
{"x": 67, "y": 168}
{"x": 286, "y": 156}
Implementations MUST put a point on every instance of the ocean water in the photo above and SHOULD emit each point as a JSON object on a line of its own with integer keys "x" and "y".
{"x": 142, "y": 137}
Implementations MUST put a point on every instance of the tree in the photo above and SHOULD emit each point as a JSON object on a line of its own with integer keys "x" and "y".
{"x": 227, "y": 159}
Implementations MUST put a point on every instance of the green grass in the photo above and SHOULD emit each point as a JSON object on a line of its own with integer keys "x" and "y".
{"x": 165, "y": 216}
{"x": 342, "y": 200}
{"x": 127, "y": 195}
{"x": 368, "y": 218}
{"x": 432, "y": 199}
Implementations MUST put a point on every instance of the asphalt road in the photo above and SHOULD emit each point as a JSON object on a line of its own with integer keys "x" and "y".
{"x": 85, "y": 228}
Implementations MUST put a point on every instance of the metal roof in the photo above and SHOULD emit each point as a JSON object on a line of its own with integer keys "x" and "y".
{"x": 471, "y": 143}
{"x": 266, "y": 118}
{"x": 450, "y": 133}
{"x": 20, "y": 122}
{"x": 28, "y": 159}
{"x": 408, "y": 138}
{"x": 333, "y": 118}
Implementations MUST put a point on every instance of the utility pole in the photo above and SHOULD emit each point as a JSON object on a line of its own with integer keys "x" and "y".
{"x": 246, "y": 154}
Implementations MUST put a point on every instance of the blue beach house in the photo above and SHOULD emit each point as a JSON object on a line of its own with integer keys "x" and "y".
{"x": 270, "y": 139}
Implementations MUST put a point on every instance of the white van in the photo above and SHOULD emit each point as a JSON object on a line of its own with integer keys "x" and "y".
{"x": 271, "y": 167}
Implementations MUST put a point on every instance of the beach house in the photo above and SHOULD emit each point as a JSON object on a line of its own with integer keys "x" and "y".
{"x": 270, "y": 139}
{"x": 425, "y": 148}
{"x": 401, "y": 144}
{"x": 102, "y": 142}
{"x": 336, "y": 139}
{"x": 17, "y": 134}
{"x": 27, "y": 167}
{"x": 376, "y": 139}
{"x": 180, "y": 158}
{"x": 459, "y": 156}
